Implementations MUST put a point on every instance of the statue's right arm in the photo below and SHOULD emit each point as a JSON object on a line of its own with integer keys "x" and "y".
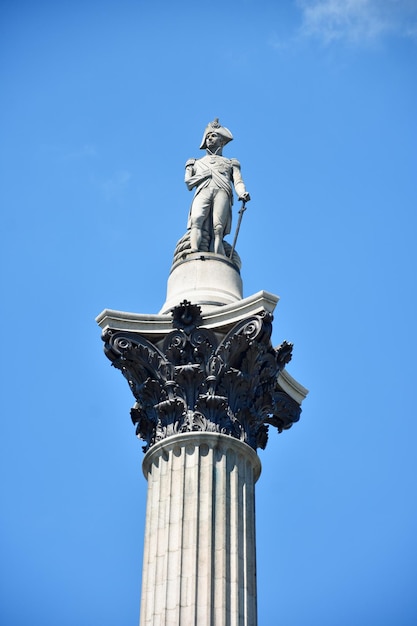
{"x": 189, "y": 174}
{"x": 192, "y": 178}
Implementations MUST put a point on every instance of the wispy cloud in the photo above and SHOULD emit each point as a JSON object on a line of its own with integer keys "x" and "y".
{"x": 357, "y": 21}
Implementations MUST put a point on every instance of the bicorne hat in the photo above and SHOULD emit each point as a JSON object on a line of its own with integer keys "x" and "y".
{"x": 215, "y": 127}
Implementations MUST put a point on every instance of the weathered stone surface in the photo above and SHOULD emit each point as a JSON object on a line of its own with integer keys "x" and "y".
{"x": 157, "y": 326}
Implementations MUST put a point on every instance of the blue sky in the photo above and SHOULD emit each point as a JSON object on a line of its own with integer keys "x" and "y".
{"x": 102, "y": 103}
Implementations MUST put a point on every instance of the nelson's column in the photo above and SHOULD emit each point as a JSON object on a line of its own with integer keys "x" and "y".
{"x": 207, "y": 385}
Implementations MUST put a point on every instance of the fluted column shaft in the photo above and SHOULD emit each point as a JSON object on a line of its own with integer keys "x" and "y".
{"x": 199, "y": 560}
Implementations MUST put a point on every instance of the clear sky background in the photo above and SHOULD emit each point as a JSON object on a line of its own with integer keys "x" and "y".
{"x": 102, "y": 103}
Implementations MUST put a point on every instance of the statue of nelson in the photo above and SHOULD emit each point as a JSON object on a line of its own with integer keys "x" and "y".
{"x": 213, "y": 178}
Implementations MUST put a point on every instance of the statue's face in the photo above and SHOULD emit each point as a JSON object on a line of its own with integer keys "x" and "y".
{"x": 214, "y": 141}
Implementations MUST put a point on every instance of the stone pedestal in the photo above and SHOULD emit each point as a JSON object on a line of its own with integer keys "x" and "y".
{"x": 199, "y": 561}
{"x": 211, "y": 280}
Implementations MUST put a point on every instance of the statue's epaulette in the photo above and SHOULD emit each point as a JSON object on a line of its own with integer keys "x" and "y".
{"x": 235, "y": 162}
{"x": 190, "y": 162}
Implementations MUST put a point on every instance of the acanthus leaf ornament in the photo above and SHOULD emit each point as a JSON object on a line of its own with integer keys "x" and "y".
{"x": 194, "y": 382}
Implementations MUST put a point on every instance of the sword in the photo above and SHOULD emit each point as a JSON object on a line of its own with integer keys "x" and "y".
{"x": 241, "y": 212}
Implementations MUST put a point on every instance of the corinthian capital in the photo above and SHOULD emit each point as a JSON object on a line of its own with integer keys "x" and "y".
{"x": 195, "y": 380}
